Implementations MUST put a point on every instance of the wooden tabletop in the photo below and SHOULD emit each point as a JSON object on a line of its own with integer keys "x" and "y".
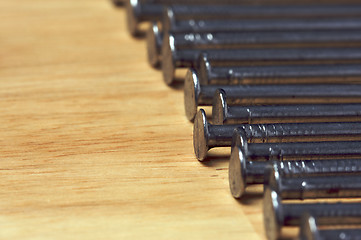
{"x": 93, "y": 144}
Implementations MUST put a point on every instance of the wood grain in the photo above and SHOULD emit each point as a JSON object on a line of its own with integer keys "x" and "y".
{"x": 93, "y": 144}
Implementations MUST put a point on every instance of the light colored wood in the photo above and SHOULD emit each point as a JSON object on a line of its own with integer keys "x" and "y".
{"x": 93, "y": 145}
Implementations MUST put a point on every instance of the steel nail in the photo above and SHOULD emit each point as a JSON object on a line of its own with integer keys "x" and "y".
{"x": 197, "y": 42}
{"x": 279, "y": 74}
{"x": 202, "y": 95}
{"x": 243, "y": 172}
{"x": 207, "y": 136}
{"x": 154, "y": 45}
{"x": 172, "y": 58}
{"x": 294, "y": 150}
{"x": 309, "y": 231}
{"x": 271, "y": 39}
{"x": 222, "y": 113}
{"x": 251, "y": 25}
{"x": 138, "y": 11}
{"x": 185, "y": 17}
{"x": 199, "y": 33}
{"x": 312, "y": 187}
{"x": 277, "y": 214}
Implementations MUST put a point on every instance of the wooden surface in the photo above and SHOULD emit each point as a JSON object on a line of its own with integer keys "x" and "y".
{"x": 93, "y": 144}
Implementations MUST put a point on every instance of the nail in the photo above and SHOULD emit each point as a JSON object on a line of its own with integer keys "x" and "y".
{"x": 224, "y": 114}
{"x": 243, "y": 172}
{"x": 237, "y": 33}
{"x": 191, "y": 17}
{"x": 279, "y": 74}
{"x": 309, "y": 231}
{"x": 207, "y": 136}
{"x": 197, "y": 42}
{"x": 277, "y": 214}
{"x": 273, "y": 39}
{"x": 138, "y": 11}
{"x": 172, "y": 58}
{"x": 292, "y": 150}
{"x": 154, "y": 45}
{"x": 251, "y": 25}
{"x": 312, "y": 187}
{"x": 202, "y": 95}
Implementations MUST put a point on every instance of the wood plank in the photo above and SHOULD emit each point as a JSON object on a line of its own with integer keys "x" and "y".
{"x": 93, "y": 145}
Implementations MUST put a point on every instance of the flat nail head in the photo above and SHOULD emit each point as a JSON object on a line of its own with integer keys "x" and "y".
{"x": 132, "y": 7}
{"x": 191, "y": 93}
{"x": 200, "y": 135}
{"x": 205, "y": 69}
{"x": 237, "y": 173}
{"x": 273, "y": 176}
{"x": 239, "y": 139}
{"x": 168, "y": 19}
{"x": 219, "y": 109}
{"x": 168, "y": 63}
{"x": 153, "y": 50}
{"x": 272, "y": 208}
{"x": 308, "y": 228}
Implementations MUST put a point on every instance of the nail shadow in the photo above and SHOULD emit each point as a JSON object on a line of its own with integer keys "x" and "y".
{"x": 140, "y": 35}
{"x": 178, "y": 84}
{"x": 250, "y": 198}
{"x": 215, "y": 160}
{"x": 156, "y": 67}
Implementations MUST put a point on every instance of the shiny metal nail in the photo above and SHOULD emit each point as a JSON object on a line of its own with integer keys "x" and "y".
{"x": 224, "y": 31}
{"x": 154, "y": 39}
{"x": 294, "y": 150}
{"x": 139, "y": 11}
{"x": 207, "y": 136}
{"x": 173, "y": 58}
{"x": 278, "y": 74}
{"x": 277, "y": 214}
{"x": 309, "y": 230}
{"x": 222, "y": 113}
{"x": 243, "y": 172}
{"x": 268, "y": 39}
{"x": 190, "y": 17}
{"x": 202, "y": 95}
{"x": 313, "y": 187}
